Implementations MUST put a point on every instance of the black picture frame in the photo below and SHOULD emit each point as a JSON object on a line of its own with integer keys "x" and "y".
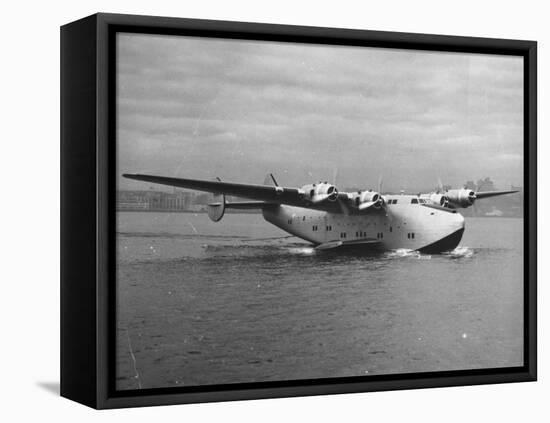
{"x": 87, "y": 211}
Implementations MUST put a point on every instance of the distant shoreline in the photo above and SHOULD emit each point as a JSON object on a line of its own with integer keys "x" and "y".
{"x": 258, "y": 212}
{"x": 185, "y": 211}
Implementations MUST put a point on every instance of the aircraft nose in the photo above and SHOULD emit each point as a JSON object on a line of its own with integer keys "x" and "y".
{"x": 457, "y": 222}
{"x": 460, "y": 221}
{"x": 454, "y": 221}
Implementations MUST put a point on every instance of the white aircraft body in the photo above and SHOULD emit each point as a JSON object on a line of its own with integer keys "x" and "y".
{"x": 329, "y": 219}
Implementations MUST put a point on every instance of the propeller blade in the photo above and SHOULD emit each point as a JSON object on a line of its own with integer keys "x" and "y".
{"x": 342, "y": 200}
{"x": 440, "y": 187}
{"x": 366, "y": 205}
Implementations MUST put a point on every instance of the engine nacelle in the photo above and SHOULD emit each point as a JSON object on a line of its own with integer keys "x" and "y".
{"x": 461, "y": 197}
{"x": 317, "y": 193}
{"x": 366, "y": 199}
{"x": 440, "y": 199}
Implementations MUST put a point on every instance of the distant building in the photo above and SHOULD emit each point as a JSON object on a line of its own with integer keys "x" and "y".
{"x": 132, "y": 205}
{"x": 161, "y": 201}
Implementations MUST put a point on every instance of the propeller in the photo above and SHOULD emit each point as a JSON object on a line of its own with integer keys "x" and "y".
{"x": 342, "y": 203}
{"x": 380, "y": 183}
{"x": 474, "y": 207}
{"x": 439, "y": 185}
{"x": 366, "y": 205}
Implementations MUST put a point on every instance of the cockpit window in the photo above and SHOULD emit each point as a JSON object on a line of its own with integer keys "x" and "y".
{"x": 414, "y": 200}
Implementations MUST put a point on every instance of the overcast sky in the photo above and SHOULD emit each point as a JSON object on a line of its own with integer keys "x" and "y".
{"x": 200, "y": 108}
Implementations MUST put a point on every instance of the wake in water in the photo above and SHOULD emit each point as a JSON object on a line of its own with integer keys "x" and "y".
{"x": 402, "y": 253}
{"x": 305, "y": 251}
{"x": 460, "y": 252}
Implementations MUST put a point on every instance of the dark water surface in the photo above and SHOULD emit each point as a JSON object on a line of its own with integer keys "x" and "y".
{"x": 208, "y": 303}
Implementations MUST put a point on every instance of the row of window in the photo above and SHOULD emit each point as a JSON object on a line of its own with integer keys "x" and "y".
{"x": 358, "y": 234}
{"x": 413, "y": 201}
{"x": 315, "y": 228}
{"x": 379, "y": 235}
{"x": 329, "y": 228}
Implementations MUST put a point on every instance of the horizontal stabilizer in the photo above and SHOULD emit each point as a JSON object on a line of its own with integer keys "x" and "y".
{"x": 246, "y": 205}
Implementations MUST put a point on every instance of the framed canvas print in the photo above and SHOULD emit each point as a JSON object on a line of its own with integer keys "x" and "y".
{"x": 254, "y": 211}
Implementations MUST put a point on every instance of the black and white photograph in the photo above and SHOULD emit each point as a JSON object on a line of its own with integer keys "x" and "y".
{"x": 290, "y": 211}
{"x": 280, "y": 211}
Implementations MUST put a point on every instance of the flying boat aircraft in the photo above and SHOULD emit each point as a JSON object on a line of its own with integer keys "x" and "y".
{"x": 328, "y": 218}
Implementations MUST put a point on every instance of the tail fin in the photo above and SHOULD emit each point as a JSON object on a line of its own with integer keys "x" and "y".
{"x": 217, "y": 210}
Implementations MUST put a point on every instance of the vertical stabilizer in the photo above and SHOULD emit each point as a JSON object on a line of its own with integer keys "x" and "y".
{"x": 216, "y": 210}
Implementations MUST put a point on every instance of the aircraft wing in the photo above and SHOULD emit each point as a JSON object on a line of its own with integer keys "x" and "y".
{"x": 264, "y": 193}
{"x": 487, "y": 194}
{"x": 438, "y": 207}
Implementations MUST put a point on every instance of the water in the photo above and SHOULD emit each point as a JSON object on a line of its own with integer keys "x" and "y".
{"x": 238, "y": 301}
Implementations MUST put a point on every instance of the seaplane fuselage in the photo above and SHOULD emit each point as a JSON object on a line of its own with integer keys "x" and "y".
{"x": 402, "y": 225}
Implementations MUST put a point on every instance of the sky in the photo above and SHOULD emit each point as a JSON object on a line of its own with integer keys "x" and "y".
{"x": 201, "y": 108}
